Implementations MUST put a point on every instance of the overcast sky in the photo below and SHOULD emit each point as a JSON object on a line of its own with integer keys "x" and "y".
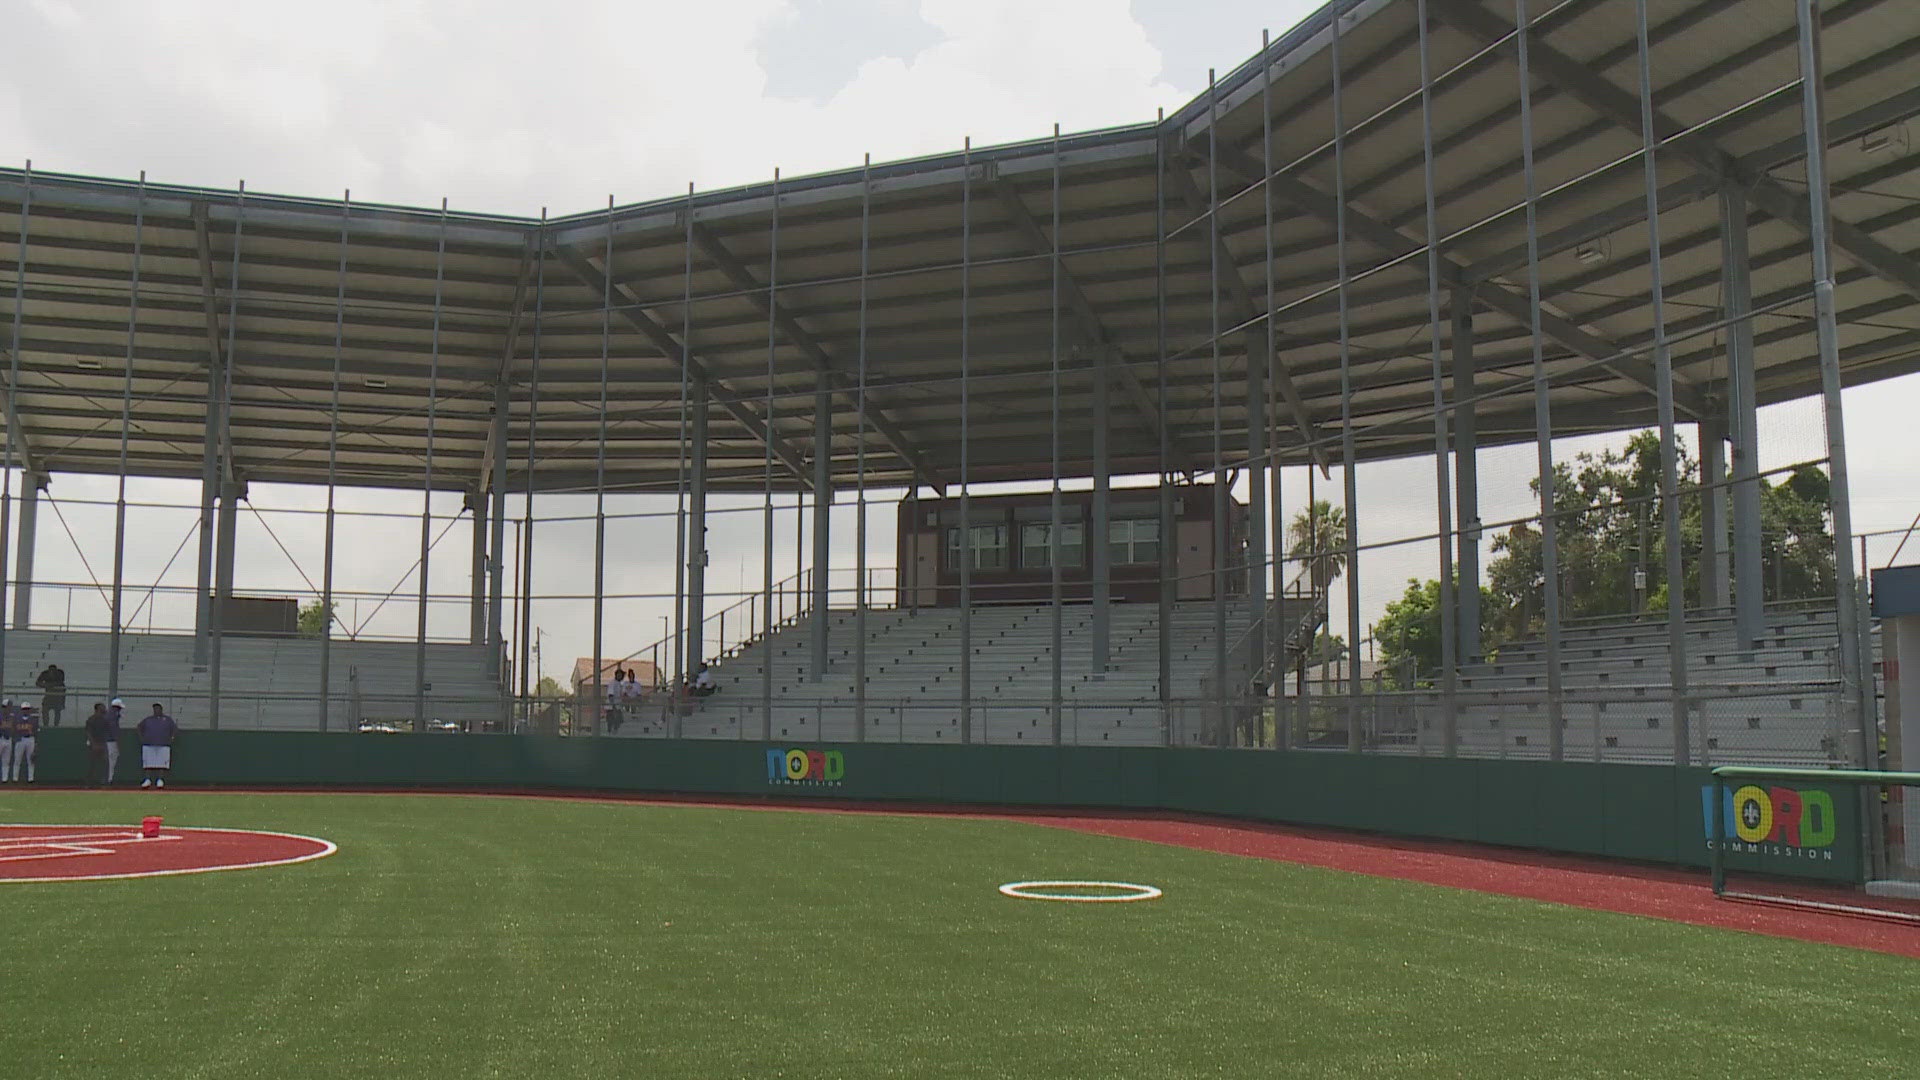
{"x": 510, "y": 106}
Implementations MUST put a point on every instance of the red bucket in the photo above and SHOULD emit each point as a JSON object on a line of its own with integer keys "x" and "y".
{"x": 149, "y": 827}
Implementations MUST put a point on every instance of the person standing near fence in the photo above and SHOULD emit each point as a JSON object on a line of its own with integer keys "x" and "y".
{"x": 116, "y": 710}
{"x": 96, "y": 730}
{"x": 53, "y": 683}
{"x": 157, "y": 733}
{"x": 25, "y": 730}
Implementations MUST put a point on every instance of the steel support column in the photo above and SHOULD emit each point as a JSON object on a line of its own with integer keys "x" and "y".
{"x": 426, "y": 482}
{"x": 696, "y": 650}
{"x": 477, "y": 601}
{"x": 966, "y": 447}
{"x": 860, "y": 466}
{"x": 215, "y": 467}
{"x": 1855, "y": 657}
{"x": 1443, "y": 500}
{"x": 1273, "y": 652}
{"x": 822, "y": 521}
{"x": 116, "y": 612}
{"x": 1749, "y": 590}
{"x": 1542, "y": 407}
{"x": 1716, "y": 570}
{"x": 1256, "y": 555}
{"x": 16, "y": 442}
{"x": 1100, "y": 528}
{"x": 31, "y": 485}
{"x": 1350, "y": 496}
{"x": 497, "y": 521}
{"x": 329, "y": 528}
{"x": 1669, "y": 440}
{"x": 226, "y": 524}
{"x": 1466, "y": 479}
{"x": 1167, "y": 584}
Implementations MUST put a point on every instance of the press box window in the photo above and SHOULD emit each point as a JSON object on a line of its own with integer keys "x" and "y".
{"x": 1036, "y": 552}
{"x": 1135, "y": 541}
{"x": 989, "y": 547}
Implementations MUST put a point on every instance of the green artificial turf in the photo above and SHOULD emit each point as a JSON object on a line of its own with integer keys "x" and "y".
{"x": 498, "y": 937}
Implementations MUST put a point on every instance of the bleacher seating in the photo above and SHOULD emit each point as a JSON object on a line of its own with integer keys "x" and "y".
{"x": 264, "y": 682}
{"x": 913, "y": 665}
{"x": 1772, "y": 702}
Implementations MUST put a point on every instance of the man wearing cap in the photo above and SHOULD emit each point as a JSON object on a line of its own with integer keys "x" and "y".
{"x": 20, "y": 765}
{"x": 7, "y": 713}
{"x": 156, "y": 746}
{"x": 115, "y": 710}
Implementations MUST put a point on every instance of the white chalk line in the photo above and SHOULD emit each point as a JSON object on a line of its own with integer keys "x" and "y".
{"x": 327, "y": 847}
{"x": 1024, "y": 890}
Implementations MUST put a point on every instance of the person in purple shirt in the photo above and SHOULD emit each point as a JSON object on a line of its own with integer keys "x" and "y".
{"x": 19, "y": 766}
{"x": 157, "y": 733}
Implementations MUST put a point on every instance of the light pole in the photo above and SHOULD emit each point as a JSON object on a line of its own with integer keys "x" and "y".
{"x": 665, "y": 630}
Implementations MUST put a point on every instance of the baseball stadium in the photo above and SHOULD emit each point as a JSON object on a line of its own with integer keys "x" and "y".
{"x": 1356, "y": 575}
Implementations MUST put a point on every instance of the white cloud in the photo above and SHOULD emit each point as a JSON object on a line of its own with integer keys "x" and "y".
{"x": 506, "y": 106}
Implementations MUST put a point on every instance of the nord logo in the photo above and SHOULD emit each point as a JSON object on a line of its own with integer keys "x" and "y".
{"x": 1790, "y": 818}
{"x": 805, "y": 767}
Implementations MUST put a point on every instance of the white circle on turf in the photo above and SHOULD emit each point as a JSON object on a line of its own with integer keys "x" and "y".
{"x": 1030, "y": 890}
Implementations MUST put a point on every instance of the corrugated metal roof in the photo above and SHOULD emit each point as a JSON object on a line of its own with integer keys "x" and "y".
{"x": 417, "y": 321}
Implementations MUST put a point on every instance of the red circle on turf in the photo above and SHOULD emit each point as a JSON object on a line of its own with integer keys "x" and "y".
{"x": 103, "y": 852}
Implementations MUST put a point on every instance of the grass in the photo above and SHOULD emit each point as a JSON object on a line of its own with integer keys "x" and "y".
{"x": 484, "y": 937}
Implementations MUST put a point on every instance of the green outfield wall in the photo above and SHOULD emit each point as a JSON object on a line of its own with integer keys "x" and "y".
{"x": 1642, "y": 812}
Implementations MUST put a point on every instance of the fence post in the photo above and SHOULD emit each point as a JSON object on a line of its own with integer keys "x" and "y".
{"x": 1718, "y": 855}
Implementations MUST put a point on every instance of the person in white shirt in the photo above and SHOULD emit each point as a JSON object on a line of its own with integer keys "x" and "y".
{"x": 703, "y": 683}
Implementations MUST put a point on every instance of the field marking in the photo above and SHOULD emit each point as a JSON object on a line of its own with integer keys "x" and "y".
{"x": 327, "y": 847}
{"x": 1023, "y": 890}
{"x": 61, "y": 847}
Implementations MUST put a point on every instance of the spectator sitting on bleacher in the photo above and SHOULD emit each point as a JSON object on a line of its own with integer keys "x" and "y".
{"x": 703, "y": 684}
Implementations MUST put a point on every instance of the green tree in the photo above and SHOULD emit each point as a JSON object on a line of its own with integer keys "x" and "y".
{"x": 553, "y": 706}
{"x": 1408, "y": 634}
{"x": 1319, "y": 535}
{"x": 1611, "y": 526}
{"x": 1796, "y": 554}
{"x": 313, "y": 619}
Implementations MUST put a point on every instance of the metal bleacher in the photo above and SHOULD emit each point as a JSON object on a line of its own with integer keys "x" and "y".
{"x": 264, "y": 682}
{"x": 1774, "y": 700}
{"x": 913, "y": 662}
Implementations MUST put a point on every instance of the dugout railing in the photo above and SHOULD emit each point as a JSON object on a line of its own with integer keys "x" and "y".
{"x": 1758, "y": 818}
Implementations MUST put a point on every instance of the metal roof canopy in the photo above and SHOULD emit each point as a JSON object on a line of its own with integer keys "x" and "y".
{"x": 526, "y": 301}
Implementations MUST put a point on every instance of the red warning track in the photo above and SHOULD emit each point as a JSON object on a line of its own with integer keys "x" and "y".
{"x": 33, "y": 853}
{"x": 1600, "y": 885}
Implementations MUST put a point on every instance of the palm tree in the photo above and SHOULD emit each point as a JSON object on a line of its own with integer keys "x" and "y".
{"x": 1319, "y": 534}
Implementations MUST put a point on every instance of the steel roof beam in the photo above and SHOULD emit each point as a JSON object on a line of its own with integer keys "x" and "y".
{"x": 633, "y": 309}
{"x": 1189, "y": 193}
{"x": 1623, "y": 109}
{"x": 804, "y": 340}
{"x": 1509, "y": 302}
{"x": 508, "y": 348}
{"x": 217, "y": 361}
{"x": 1092, "y": 330}
{"x": 22, "y": 442}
